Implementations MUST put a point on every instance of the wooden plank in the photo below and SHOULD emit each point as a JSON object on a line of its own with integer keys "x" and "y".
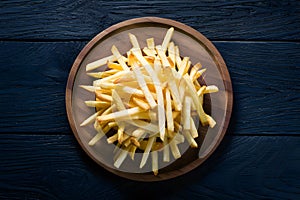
{"x": 33, "y": 80}
{"x": 54, "y": 167}
{"x": 265, "y": 79}
{"x": 266, "y": 86}
{"x": 68, "y": 19}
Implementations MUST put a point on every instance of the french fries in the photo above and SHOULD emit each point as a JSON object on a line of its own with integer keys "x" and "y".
{"x": 147, "y": 101}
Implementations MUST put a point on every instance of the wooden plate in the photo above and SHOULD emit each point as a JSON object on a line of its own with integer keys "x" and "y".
{"x": 192, "y": 44}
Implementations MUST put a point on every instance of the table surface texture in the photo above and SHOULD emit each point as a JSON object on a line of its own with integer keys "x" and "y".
{"x": 259, "y": 157}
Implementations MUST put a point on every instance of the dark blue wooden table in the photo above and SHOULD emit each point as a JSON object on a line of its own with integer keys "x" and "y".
{"x": 259, "y": 157}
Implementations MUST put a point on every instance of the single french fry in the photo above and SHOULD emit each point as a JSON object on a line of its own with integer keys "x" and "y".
{"x": 109, "y": 110}
{"x": 102, "y": 74}
{"x": 119, "y": 57}
{"x": 150, "y": 59}
{"x": 90, "y": 119}
{"x": 114, "y": 66}
{"x": 149, "y": 52}
{"x": 186, "y": 113}
{"x": 104, "y": 85}
{"x": 104, "y": 91}
{"x": 97, "y": 104}
{"x": 126, "y": 142}
{"x": 96, "y": 138}
{"x": 197, "y": 84}
{"x": 154, "y": 162}
{"x": 145, "y": 115}
{"x": 152, "y": 89}
{"x": 177, "y": 126}
{"x": 157, "y": 66}
{"x": 141, "y": 103}
{"x": 167, "y": 39}
{"x": 147, "y": 150}
{"x": 90, "y": 88}
{"x": 132, "y": 59}
{"x": 112, "y": 78}
{"x": 97, "y": 125}
{"x": 177, "y": 57}
{"x": 210, "y": 120}
{"x": 99, "y": 63}
{"x": 132, "y": 91}
{"x": 150, "y": 49}
{"x": 119, "y": 114}
{"x": 121, "y": 157}
{"x": 163, "y": 57}
{"x": 173, "y": 89}
{"x": 117, "y": 147}
{"x": 181, "y": 90}
{"x": 129, "y": 78}
{"x": 160, "y": 110}
{"x": 201, "y": 90}
{"x": 103, "y": 97}
{"x": 132, "y": 150}
{"x": 141, "y": 137}
{"x": 166, "y": 151}
{"x": 194, "y": 70}
{"x": 125, "y": 80}
{"x": 184, "y": 66}
{"x": 171, "y": 53}
{"x": 150, "y": 43}
{"x": 195, "y": 99}
{"x": 194, "y": 131}
{"x": 134, "y": 42}
{"x": 211, "y": 89}
{"x": 112, "y": 139}
{"x": 170, "y": 123}
{"x": 174, "y": 149}
{"x": 190, "y": 139}
{"x": 120, "y": 132}
{"x": 117, "y": 151}
{"x": 105, "y": 129}
{"x": 171, "y": 63}
{"x": 198, "y": 74}
{"x": 134, "y": 141}
{"x": 100, "y": 133}
{"x": 125, "y": 137}
{"x": 132, "y": 84}
{"x": 112, "y": 124}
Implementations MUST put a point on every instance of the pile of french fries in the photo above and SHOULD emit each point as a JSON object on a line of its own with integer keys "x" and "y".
{"x": 150, "y": 98}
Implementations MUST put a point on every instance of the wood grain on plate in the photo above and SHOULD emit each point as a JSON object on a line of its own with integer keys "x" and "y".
{"x": 264, "y": 75}
{"x": 218, "y": 20}
{"x": 54, "y": 167}
{"x": 191, "y": 43}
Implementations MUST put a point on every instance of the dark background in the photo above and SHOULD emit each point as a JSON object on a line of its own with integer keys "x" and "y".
{"x": 259, "y": 157}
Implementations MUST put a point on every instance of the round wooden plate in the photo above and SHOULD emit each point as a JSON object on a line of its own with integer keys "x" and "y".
{"x": 192, "y": 44}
